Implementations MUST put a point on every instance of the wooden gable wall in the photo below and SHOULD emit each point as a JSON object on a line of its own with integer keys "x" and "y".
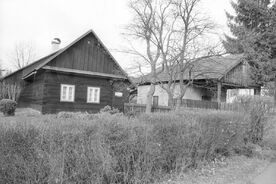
{"x": 239, "y": 75}
{"x": 89, "y": 55}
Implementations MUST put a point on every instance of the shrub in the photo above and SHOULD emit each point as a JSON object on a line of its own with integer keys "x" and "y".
{"x": 77, "y": 115}
{"x": 114, "y": 148}
{"x": 256, "y": 108}
{"x": 110, "y": 110}
{"x": 10, "y": 90}
{"x": 194, "y": 136}
{"x": 8, "y": 107}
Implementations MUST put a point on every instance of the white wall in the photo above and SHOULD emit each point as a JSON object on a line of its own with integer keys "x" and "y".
{"x": 191, "y": 93}
{"x": 232, "y": 94}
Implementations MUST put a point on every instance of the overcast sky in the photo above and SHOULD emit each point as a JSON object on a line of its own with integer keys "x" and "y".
{"x": 38, "y": 21}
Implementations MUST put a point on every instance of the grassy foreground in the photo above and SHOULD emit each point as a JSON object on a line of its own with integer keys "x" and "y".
{"x": 105, "y": 148}
{"x": 233, "y": 170}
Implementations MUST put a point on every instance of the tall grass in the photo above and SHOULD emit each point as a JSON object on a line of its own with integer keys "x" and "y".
{"x": 105, "y": 148}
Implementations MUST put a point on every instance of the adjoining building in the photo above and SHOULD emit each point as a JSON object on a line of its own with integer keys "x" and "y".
{"x": 212, "y": 77}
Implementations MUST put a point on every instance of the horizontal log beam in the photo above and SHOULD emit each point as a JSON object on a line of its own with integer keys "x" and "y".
{"x": 74, "y": 71}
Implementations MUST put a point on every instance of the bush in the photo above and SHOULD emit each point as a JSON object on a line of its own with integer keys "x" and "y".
{"x": 256, "y": 108}
{"x": 76, "y": 115}
{"x": 8, "y": 107}
{"x": 110, "y": 110}
{"x": 113, "y": 148}
{"x": 10, "y": 90}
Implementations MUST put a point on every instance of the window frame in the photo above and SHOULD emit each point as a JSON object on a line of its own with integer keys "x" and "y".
{"x": 88, "y": 93}
{"x": 67, "y": 93}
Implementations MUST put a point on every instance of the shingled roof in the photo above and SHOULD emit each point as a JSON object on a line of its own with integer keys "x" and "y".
{"x": 209, "y": 68}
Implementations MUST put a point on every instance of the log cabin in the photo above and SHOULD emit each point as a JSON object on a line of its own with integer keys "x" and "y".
{"x": 82, "y": 76}
{"x": 211, "y": 77}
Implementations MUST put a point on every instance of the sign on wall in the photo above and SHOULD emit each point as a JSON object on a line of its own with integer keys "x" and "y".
{"x": 118, "y": 94}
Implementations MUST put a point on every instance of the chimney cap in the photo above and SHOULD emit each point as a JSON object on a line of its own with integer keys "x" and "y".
{"x": 56, "y": 41}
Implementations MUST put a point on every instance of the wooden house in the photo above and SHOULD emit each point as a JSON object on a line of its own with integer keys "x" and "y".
{"x": 212, "y": 77}
{"x": 83, "y": 76}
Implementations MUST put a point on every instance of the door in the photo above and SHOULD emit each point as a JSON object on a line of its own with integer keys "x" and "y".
{"x": 155, "y": 101}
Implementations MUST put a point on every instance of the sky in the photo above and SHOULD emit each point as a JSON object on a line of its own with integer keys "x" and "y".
{"x": 39, "y": 21}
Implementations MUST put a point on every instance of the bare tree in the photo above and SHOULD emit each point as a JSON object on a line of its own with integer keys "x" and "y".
{"x": 10, "y": 90}
{"x": 175, "y": 28}
{"x": 1, "y": 69}
{"x": 143, "y": 28}
{"x": 183, "y": 48}
{"x": 22, "y": 54}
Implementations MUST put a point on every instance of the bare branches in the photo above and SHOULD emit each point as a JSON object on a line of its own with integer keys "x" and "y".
{"x": 10, "y": 91}
{"x": 172, "y": 32}
{"x": 22, "y": 55}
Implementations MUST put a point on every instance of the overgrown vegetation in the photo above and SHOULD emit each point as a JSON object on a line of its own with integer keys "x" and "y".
{"x": 112, "y": 148}
{"x": 9, "y": 90}
{"x": 8, "y": 107}
{"x": 256, "y": 107}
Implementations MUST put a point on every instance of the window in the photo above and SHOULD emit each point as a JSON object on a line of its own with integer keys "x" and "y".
{"x": 67, "y": 93}
{"x": 93, "y": 95}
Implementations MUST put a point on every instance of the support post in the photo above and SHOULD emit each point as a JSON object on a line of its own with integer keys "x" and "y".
{"x": 275, "y": 92}
{"x": 219, "y": 92}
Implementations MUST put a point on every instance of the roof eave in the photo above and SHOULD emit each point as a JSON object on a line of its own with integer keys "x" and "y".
{"x": 82, "y": 72}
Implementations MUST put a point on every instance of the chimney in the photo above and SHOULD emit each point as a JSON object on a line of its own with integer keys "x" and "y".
{"x": 55, "y": 44}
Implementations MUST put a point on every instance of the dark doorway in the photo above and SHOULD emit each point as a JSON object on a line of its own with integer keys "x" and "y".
{"x": 155, "y": 101}
{"x": 206, "y": 98}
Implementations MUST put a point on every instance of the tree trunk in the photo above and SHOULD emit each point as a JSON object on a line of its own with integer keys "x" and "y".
{"x": 170, "y": 100}
{"x": 183, "y": 90}
{"x": 275, "y": 92}
{"x": 149, "y": 98}
{"x": 178, "y": 103}
{"x": 257, "y": 91}
{"x": 219, "y": 92}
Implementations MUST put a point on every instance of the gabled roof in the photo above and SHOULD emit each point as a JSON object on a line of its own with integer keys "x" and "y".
{"x": 209, "y": 68}
{"x": 30, "y": 66}
{"x": 45, "y": 60}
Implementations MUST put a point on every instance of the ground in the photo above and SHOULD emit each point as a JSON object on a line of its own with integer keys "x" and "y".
{"x": 268, "y": 176}
{"x": 235, "y": 170}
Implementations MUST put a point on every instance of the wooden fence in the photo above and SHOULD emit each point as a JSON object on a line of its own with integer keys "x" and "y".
{"x": 191, "y": 104}
{"x": 141, "y": 108}
{"x": 199, "y": 104}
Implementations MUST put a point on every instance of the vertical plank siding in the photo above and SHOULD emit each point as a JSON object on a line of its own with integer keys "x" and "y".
{"x": 32, "y": 93}
{"x": 86, "y": 55}
{"x": 239, "y": 76}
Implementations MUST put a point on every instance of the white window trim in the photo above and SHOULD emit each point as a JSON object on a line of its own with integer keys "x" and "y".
{"x": 67, "y": 93}
{"x": 88, "y": 93}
